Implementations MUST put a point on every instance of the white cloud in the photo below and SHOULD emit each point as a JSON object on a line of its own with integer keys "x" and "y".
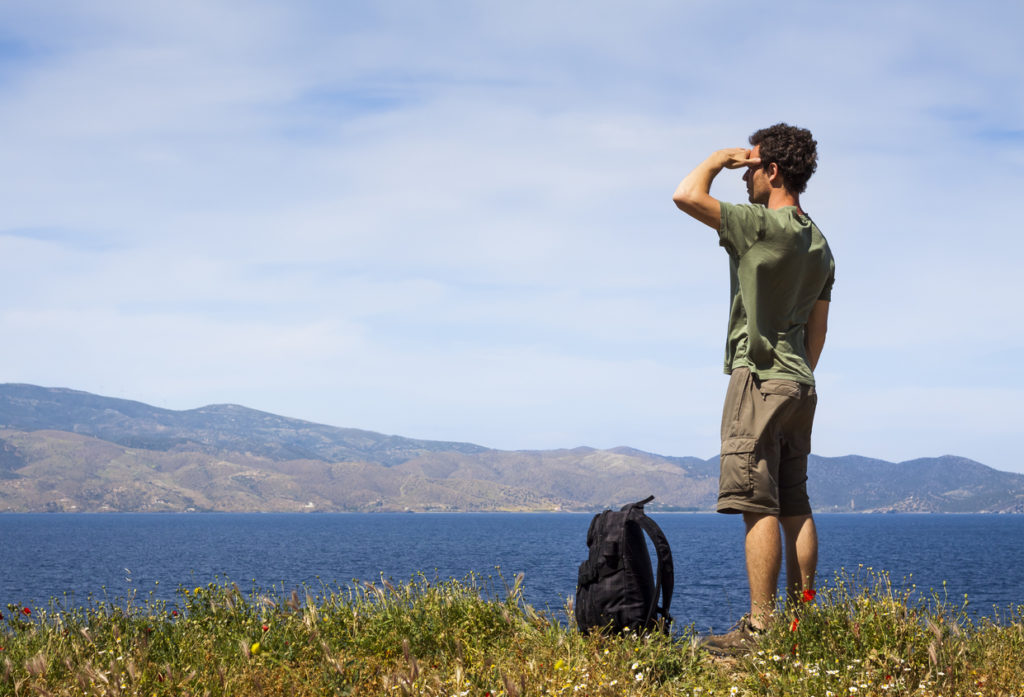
{"x": 453, "y": 221}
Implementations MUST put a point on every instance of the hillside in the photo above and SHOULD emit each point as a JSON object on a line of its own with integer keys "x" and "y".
{"x": 64, "y": 450}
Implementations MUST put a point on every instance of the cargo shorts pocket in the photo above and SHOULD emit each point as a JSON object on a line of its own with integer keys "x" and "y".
{"x": 737, "y": 466}
{"x": 783, "y": 388}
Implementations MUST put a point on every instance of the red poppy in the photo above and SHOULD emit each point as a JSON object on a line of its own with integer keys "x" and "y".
{"x": 174, "y": 613}
{"x": 796, "y": 621}
{"x": 26, "y": 611}
{"x": 809, "y": 594}
{"x": 265, "y": 628}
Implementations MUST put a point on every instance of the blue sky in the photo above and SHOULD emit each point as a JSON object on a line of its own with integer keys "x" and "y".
{"x": 454, "y": 221}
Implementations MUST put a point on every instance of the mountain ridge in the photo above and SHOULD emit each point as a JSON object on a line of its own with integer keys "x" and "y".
{"x": 68, "y": 450}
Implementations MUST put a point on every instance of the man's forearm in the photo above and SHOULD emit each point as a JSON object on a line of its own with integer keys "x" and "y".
{"x": 814, "y": 345}
{"x": 693, "y": 195}
{"x": 815, "y": 331}
{"x": 698, "y": 182}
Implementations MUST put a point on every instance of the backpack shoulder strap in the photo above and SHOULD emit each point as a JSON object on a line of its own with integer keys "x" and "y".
{"x": 666, "y": 577}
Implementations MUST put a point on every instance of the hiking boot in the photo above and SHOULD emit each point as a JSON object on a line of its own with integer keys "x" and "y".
{"x": 741, "y": 639}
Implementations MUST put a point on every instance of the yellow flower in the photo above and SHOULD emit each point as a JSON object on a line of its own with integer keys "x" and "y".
{"x": 559, "y": 664}
{"x": 255, "y": 648}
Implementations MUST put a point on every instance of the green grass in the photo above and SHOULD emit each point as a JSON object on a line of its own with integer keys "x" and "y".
{"x": 858, "y": 637}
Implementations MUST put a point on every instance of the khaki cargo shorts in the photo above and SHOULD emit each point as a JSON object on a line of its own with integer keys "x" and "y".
{"x": 766, "y": 437}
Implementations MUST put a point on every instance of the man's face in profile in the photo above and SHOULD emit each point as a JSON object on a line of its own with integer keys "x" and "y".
{"x": 756, "y": 178}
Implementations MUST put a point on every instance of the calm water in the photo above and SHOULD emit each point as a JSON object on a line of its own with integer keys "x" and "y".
{"x": 48, "y": 555}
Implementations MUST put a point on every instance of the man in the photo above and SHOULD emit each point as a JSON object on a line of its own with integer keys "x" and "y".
{"x": 781, "y": 273}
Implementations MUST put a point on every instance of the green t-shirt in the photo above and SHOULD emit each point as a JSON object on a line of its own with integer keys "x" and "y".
{"x": 779, "y": 266}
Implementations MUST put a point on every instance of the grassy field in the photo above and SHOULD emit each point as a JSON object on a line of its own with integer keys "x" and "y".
{"x": 856, "y": 637}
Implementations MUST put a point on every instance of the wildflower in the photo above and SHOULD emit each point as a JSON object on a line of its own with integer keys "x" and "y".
{"x": 634, "y": 666}
{"x": 808, "y": 595}
{"x": 733, "y": 690}
{"x": 796, "y": 621}
{"x": 255, "y": 648}
{"x": 26, "y": 611}
{"x": 266, "y": 628}
{"x": 638, "y": 677}
{"x": 174, "y": 613}
{"x": 559, "y": 664}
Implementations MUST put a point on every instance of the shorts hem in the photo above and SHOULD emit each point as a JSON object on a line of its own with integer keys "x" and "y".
{"x": 736, "y": 507}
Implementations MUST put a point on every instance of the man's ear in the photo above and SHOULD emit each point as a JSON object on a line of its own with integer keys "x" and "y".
{"x": 774, "y": 175}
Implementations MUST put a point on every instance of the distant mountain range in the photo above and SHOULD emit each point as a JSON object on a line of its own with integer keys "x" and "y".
{"x": 65, "y": 450}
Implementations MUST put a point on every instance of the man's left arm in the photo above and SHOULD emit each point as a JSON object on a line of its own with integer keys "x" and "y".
{"x": 814, "y": 334}
{"x": 693, "y": 195}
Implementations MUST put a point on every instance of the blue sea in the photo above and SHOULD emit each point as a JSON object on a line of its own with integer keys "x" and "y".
{"x": 75, "y": 557}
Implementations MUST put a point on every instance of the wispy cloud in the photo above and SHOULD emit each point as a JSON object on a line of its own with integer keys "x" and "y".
{"x": 452, "y": 220}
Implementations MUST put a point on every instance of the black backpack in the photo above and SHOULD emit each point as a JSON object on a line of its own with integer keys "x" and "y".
{"x": 616, "y": 588}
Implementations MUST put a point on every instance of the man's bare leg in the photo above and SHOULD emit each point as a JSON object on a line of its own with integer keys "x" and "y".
{"x": 801, "y": 554}
{"x": 764, "y": 560}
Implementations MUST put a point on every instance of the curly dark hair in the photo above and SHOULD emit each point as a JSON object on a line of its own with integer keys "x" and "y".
{"x": 793, "y": 149}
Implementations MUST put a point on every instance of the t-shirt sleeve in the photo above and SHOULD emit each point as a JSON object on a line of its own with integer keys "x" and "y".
{"x": 742, "y": 225}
